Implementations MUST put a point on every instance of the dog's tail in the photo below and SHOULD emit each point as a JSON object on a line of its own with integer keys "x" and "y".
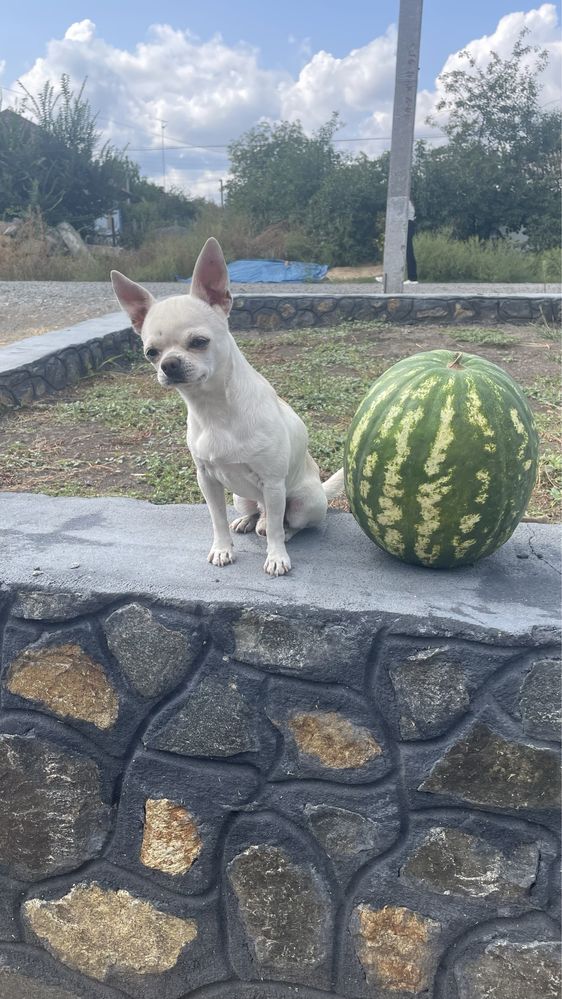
{"x": 334, "y": 486}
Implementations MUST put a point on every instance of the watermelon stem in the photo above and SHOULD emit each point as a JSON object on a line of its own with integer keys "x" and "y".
{"x": 455, "y": 362}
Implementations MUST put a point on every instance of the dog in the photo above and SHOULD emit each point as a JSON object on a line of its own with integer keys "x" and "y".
{"x": 241, "y": 435}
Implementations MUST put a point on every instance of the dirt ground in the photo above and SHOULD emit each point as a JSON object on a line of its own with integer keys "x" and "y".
{"x": 119, "y": 433}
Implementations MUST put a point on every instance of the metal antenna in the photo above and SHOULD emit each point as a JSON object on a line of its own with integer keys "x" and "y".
{"x": 162, "y": 127}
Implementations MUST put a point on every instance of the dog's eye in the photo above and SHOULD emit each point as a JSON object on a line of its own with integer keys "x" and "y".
{"x": 199, "y": 342}
{"x": 151, "y": 353}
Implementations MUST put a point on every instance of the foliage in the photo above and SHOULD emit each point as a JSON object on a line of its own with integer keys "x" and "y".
{"x": 53, "y": 165}
{"x": 276, "y": 170}
{"x": 151, "y": 208}
{"x": 498, "y": 172}
{"x": 442, "y": 259}
{"x": 346, "y": 215}
{"x": 332, "y": 205}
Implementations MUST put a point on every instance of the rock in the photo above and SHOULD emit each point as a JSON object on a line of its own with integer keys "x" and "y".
{"x": 65, "y": 679}
{"x": 343, "y": 833}
{"x": 540, "y": 700}
{"x": 214, "y": 720}
{"x": 44, "y": 605}
{"x": 300, "y": 647}
{"x": 486, "y": 769}
{"x": 52, "y": 818}
{"x": 332, "y": 739}
{"x": 431, "y": 692}
{"x": 171, "y": 840}
{"x": 453, "y": 862}
{"x": 72, "y": 240}
{"x": 509, "y": 970}
{"x": 14, "y": 985}
{"x": 153, "y": 657}
{"x": 284, "y": 908}
{"x": 396, "y": 947}
{"x": 98, "y": 930}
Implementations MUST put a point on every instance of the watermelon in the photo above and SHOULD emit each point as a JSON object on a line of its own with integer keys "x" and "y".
{"x": 441, "y": 459}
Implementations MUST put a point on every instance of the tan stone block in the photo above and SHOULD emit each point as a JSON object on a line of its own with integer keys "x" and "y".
{"x": 67, "y": 681}
{"x": 461, "y": 312}
{"x": 96, "y": 930}
{"x": 396, "y": 947}
{"x": 287, "y": 310}
{"x": 171, "y": 840}
{"x": 325, "y": 305}
{"x": 334, "y": 740}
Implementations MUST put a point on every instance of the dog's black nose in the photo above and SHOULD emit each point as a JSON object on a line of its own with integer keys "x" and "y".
{"x": 172, "y": 368}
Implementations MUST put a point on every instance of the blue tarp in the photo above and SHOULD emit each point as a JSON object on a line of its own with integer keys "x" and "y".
{"x": 272, "y": 271}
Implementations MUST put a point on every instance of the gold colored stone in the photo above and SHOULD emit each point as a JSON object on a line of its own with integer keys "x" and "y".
{"x": 462, "y": 313}
{"x": 96, "y": 930}
{"x": 171, "y": 840}
{"x": 67, "y": 681}
{"x": 333, "y": 739}
{"x": 395, "y": 948}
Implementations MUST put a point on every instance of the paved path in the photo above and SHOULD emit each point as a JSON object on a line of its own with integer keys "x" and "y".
{"x": 28, "y": 308}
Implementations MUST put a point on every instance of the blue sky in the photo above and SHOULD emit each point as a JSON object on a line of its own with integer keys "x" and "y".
{"x": 338, "y": 28}
{"x": 291, "y": 59}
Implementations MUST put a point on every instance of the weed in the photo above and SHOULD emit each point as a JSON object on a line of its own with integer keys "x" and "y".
{"x": 493, "y": 338}
{"x": 442, "y": 259}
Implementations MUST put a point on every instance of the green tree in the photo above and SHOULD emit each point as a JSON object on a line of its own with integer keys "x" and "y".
{"x": 345, "y": 218}
{"x": 277, "y": 169}
{"x": 497, "y": 173}
{"x": 52, "y": 162}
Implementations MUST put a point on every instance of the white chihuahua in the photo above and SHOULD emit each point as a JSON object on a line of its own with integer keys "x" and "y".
{"x": 242, "y": 436}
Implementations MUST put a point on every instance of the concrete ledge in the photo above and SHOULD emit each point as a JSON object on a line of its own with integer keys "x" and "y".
{"x": 109, "y": 546}
{"x": 34, "y": 367}
{"x": 214, "y": 784}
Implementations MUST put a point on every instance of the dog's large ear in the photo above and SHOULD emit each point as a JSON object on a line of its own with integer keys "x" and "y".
{"x": 133, "y": 298}
{"x": 210, "y": 280}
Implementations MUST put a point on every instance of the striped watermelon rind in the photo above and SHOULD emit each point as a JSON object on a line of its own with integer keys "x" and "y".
{"x": 441, "y": 459}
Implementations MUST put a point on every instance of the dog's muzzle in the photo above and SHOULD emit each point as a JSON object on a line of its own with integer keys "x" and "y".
{"x": 174, "y": 369}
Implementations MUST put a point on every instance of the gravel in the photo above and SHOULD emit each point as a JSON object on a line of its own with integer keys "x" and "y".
{"x": 28, "y": 308}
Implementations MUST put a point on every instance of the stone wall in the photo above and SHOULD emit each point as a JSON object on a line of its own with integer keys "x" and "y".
{"x": 32, "y": 368}
{"x": 287, "y": 311}
{"x": 260, "y": 799}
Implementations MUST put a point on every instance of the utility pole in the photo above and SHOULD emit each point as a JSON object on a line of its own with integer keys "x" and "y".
{"x": 162, "y": 127}
{"x": 403, "y": 120}
{"x": 222, "y": 193}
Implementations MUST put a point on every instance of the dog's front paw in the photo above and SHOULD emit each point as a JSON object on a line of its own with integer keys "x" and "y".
{"x": 277, "y": 564}
{"x": 245, "y": 524}
{"x": 221, "y": 555}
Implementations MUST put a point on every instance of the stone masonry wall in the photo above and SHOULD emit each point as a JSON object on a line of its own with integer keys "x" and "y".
{"x": 278, "y": 312}
{"x": 232, "y": 803}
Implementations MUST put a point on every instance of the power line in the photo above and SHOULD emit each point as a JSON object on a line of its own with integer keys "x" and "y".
{"x": 360, "y": 138}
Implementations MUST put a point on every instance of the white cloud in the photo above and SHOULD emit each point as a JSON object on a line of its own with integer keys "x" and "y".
{"x": 209, "y": 93}
{"x": 542, "y": 25}
{"x": 353, "y": 85}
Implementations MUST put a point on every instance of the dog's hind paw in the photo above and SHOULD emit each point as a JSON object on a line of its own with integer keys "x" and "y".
{"x": 277, "y": 565}
{"x": 221, "y": 556}
{"x": 245, "y": 524}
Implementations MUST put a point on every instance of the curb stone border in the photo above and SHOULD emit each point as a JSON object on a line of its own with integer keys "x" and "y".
{"x": 38, "y": 366}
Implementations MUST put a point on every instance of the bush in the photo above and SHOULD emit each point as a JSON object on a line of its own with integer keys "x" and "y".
{"x": 443, "y": 259}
